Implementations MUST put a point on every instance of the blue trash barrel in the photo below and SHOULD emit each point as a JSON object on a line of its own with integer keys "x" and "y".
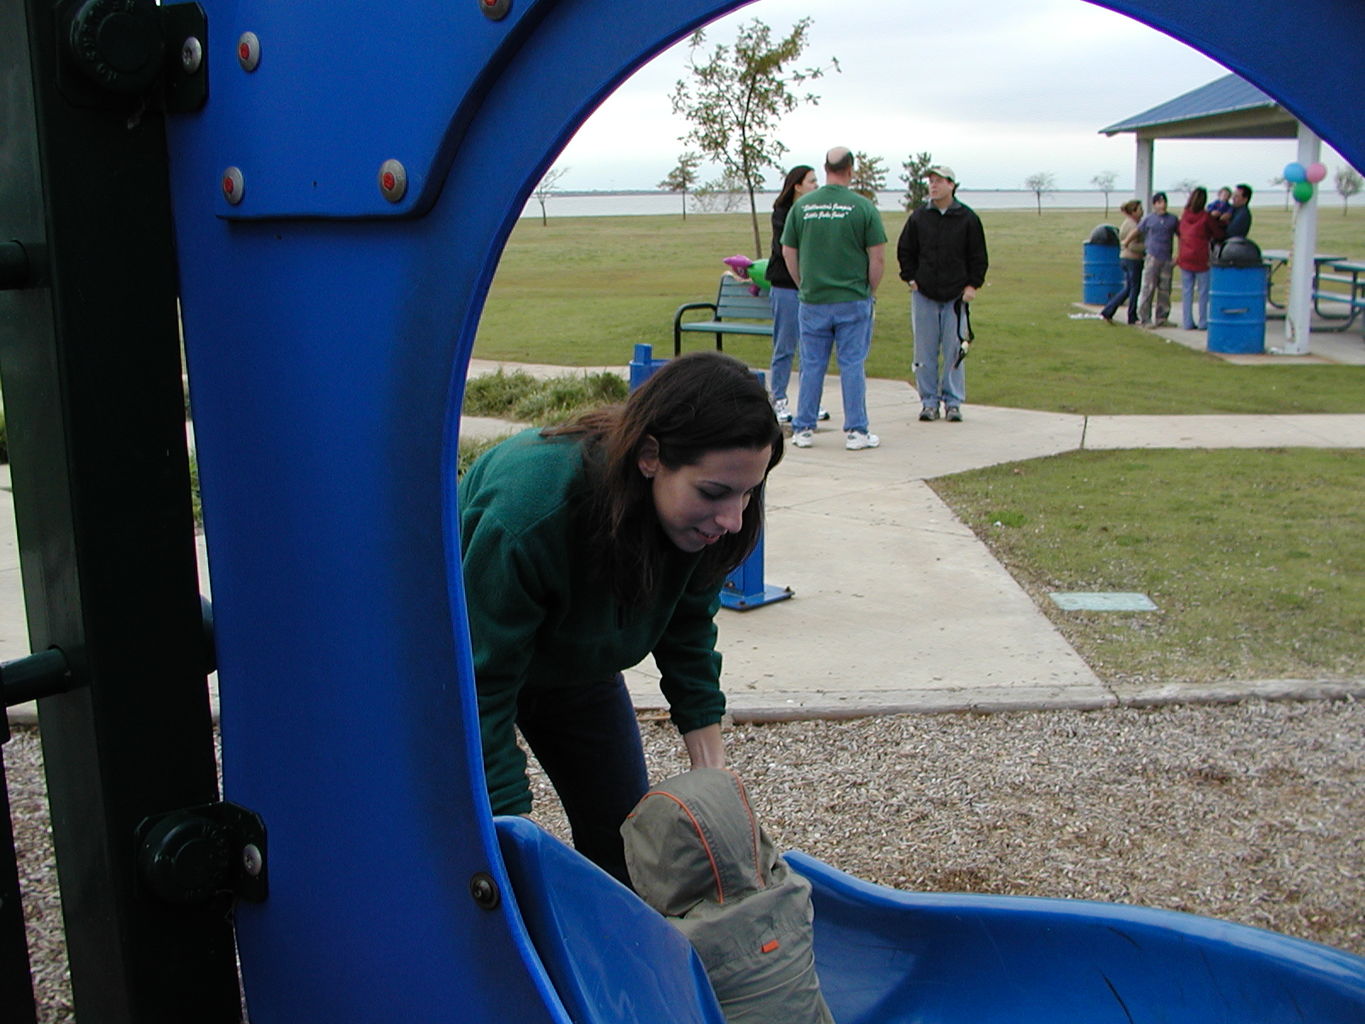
{"x": 1101, "y": 274}
{"x": 1237, "y": 294}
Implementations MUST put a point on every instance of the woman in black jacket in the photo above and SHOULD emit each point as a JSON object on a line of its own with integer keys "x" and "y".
{"x": 783, "y": 295}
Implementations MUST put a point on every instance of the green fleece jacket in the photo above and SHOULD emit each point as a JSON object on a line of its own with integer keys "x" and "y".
{"x": 539, "y": 617}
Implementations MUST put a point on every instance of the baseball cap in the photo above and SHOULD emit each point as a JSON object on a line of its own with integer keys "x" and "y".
{"x": 943, "y": 171}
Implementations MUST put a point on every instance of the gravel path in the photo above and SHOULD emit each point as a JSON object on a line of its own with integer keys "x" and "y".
{"x": 1251, "y": 812}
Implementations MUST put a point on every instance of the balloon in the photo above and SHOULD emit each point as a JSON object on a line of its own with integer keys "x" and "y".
{"x": 1303, "y": 191}
{"x": 1315, "y": 172}
{"x": 758, "y": 273}
{"x": 1295, "y": 172}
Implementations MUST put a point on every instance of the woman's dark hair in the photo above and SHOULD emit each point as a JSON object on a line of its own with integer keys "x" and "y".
{"x": 1199, "y": 197}
{"x": 788, "y": 194}
{"x": 693, "y": 405}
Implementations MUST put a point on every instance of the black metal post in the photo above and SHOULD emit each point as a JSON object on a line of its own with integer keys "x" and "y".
{"x": 91, "y": 370}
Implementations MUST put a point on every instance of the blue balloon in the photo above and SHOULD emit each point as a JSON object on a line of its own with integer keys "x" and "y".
{"x": 1295, "y": 172}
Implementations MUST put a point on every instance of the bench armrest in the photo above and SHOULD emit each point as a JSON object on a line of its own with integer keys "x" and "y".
{"x": 677, "y": 321}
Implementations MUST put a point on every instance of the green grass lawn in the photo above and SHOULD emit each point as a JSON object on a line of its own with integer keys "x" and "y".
{"x": 1255, "y": 559}
{"x": 583, "y": 291}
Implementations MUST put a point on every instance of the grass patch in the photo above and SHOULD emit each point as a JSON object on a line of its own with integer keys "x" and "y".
{"x": 580, "y": 292}
{"x": 520, "y": 397}
{"x": 1256, "y": 559}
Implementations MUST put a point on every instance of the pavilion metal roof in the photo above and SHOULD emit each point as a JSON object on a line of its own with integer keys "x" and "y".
{"x": 1227, "y": 108}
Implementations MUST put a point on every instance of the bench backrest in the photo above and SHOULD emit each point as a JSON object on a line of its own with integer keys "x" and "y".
{"x": 735, "y": 302}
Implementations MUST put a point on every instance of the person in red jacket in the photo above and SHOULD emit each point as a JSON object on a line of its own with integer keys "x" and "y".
{"x": 1196, "y": 232}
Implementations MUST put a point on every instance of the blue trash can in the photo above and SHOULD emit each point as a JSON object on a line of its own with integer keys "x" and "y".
{"x": 1237, "y": 295}
{"x": 1101, "y": 274}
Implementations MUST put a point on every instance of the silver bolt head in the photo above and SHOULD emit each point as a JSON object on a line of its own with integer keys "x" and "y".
{"x": 248, "y": 51}
{"x": 234, "y": 185}
{"x": 393, "y": 180}
{"x": 252, "y": 860}
{"x": 192, "y": 55}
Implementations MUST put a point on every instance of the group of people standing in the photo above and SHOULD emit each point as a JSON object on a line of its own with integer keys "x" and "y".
{"x": 828, "y": 259}
{"x": 1151, "y": 247}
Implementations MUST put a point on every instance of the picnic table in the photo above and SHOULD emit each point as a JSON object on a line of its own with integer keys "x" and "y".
{"x": 1350, "y": 274}
{"x": 1274, "y": 259}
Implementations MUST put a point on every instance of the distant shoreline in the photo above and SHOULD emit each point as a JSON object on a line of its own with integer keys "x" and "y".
{"x": 648, "y": 202}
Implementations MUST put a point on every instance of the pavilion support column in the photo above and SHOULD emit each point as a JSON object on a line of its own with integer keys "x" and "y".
{"x": 1142, "y": 172}
{"x": 1299, "y": 312}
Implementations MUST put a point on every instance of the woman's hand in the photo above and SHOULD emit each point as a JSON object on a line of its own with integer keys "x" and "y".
{"x": 705, "y": 747}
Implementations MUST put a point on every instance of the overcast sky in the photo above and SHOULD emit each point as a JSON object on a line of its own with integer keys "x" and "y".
{"x": 997, "y": 89}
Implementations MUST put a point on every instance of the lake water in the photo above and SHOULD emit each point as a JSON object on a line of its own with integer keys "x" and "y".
{"x": 628, "y": 204}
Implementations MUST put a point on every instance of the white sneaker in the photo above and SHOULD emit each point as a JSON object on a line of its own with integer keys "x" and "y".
{"x": 781, "y": 410}
{"x": 858, "y": 440}
{"x": 804, "y": 438}
{"x": 822, "y": 415}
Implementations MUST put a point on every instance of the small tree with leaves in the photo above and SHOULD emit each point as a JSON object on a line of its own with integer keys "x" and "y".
{"x": 1104, "y": 181}
{"x": 548, "y": 186}
{"x": 914, "y": 174}
{"x": 683, "y": 177}
{"x": 1040, "y": 184}
{"x": 1348, "y": 183}
{"x": 736, "y": 97}
{"x": 869, "y": 176}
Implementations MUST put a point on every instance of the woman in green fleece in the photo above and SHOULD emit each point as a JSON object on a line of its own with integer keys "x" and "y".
{"x": 589, "y": 546}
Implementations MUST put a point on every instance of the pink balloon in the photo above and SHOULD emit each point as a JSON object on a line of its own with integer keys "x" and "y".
{"x": 1315, "y": 172}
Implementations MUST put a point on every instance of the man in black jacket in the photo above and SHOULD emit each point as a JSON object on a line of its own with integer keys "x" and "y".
{"x": 942, "y": 253}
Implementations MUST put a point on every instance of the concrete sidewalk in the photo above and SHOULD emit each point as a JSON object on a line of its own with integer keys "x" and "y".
{"x": 897, "y": 605}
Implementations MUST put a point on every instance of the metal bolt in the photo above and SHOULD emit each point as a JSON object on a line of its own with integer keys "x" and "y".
{"x": 192, "y": 55}
{"x": 393, "y": 180}
{"x": 248, "y": 51}
{"x": 495, "y": 9}
{"x": 485, "y": 891}
{"x": 234, "y": 186}
{"x": 252, "y": 860}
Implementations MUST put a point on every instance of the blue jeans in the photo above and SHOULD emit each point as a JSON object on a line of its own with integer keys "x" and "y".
{"x": 1132, "y": 286}
{"x": 786, "y": 305}
{"x": 846, "y": 329}
{"x": 1192, "y": 281}
{"x": 938, "y": 339}
{"x": 586, "y": 737}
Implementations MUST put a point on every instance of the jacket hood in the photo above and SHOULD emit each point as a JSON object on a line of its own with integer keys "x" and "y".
{"x": 694, "y": 838}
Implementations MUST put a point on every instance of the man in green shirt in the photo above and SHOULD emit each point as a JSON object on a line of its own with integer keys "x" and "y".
{"x": 834, "y": 245}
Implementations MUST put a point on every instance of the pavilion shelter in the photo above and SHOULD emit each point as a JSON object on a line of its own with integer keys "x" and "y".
{"x": 1232, "y": 108}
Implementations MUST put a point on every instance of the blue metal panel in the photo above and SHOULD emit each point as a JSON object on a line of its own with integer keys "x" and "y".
{"x": 327, "y": 359}
{"x": 1265, "y": 41}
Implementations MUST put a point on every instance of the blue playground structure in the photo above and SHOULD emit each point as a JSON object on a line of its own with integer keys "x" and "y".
{"x": 336, "y": 182}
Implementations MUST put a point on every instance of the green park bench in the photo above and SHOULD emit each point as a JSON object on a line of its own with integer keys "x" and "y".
{"x": 736, "y": 311}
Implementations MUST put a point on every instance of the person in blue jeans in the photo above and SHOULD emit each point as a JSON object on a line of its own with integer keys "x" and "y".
{"x": 1131, "y": 254}
{"x": 834, "y": 246}
{"x": 783, "y": 295}
{"x": 942, "y": 256}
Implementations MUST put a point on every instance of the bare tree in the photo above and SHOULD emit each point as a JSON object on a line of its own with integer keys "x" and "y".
{"x": 1286, "y": 184}
{"x": 869, "y": 176}
{"x": 1104, "y": 181}
{"x": 683, "y": 177}
{"x": 548, "y": 186}
{"x": 914, "y": 171}
{"x": 1348, "y": 184}
{"x": 1040, "y": 184}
